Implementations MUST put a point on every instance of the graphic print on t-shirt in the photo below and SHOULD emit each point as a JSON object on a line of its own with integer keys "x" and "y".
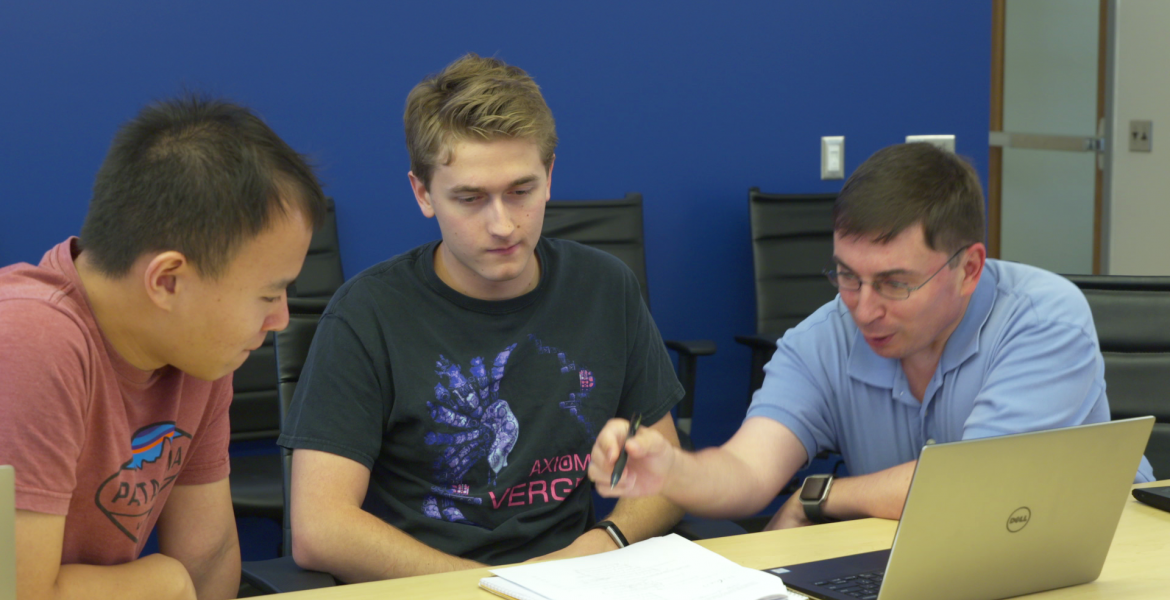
{"x": 127, "y": 497}
{"x": 485, "y": 427}
{"x": 473, "y": 423}
{"x": 576, "y": 403}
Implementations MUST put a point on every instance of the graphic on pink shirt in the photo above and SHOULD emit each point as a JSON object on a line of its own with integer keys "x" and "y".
{"x": 128, "y": 497}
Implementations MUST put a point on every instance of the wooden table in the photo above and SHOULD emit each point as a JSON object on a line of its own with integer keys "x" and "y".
{"x": 1138, "y": 565}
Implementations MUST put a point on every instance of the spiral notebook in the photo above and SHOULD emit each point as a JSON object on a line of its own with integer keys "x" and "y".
{"x": 663, "y": 568}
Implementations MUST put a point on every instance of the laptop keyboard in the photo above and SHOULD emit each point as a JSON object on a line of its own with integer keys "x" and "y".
{"x": 864, "y": 586}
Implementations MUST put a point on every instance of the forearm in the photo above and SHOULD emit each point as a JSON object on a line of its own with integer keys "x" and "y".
{"x": 153, "y": 577}
{"x": 881, "y": 494}
{"x": 217, "y": 576}
{"x": 355, "y": 546}
{"x": 643, "y": 518}
{"x": 715, "y": 483}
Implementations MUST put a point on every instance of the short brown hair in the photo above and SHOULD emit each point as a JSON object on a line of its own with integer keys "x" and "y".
{"x": 474, "y": 98}
{"x": 198, "y": 175}
{"x": 906, "y": 184}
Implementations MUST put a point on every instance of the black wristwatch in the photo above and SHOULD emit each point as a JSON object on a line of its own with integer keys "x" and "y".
{"x": 614, "y": 533}
{"x": 812, "y": 496}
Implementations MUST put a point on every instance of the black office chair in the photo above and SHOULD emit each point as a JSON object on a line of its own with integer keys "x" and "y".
{"x": 256, "y": 478}
{"x": 792, "y": 243}
{"x": 1132, "y": 315}
{"x": 615, "y": 226}
{"x": 282, "y": 574}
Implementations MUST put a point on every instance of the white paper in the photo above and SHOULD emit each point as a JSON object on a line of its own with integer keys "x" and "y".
{"x": 664, "y": 568}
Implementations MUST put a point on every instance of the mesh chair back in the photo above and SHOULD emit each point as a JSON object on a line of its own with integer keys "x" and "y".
{"x": 614, "y": 226}
{"x": 792, "y": 243}
{"x": 292, "y": 348}
{"x": 253, "y": 411}
{"x": 1132, "y": 316}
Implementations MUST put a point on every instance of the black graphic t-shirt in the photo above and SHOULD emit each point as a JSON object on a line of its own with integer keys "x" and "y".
{"x": 477, "y": 418}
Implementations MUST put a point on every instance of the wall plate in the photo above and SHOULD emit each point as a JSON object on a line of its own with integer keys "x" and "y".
{"x": 946, "y": 142}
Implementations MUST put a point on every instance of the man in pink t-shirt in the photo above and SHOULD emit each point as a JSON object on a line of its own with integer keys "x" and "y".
{"x": 116, "y": 354}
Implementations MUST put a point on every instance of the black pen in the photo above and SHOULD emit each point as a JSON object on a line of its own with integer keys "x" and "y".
{"x": 620, "y": 465}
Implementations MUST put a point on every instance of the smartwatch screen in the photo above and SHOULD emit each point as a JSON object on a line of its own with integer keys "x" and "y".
{"x": 813, "y": 488}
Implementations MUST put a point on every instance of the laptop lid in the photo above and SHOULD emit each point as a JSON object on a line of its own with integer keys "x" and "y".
{"x": 1001, "y": 517}
{"x": 1012, "y": 515}
{"x": 7, "y": 533}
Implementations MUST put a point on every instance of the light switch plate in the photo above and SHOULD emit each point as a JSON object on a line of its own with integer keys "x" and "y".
{"x": 1141, "y": 136}
{"x": 833, "y": 157}
{"x": 946, "y": 142}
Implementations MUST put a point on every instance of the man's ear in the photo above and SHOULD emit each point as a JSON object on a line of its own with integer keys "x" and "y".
{"x": 421, "y": 195}
{"x": 165, "y": 277}
{"x": 548, "y": 191}
{"x": 973, "y": 260}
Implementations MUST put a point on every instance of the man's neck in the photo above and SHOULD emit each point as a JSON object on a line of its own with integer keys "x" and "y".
{"x": 494, "y": 292}
{"x": 119, "y": 314}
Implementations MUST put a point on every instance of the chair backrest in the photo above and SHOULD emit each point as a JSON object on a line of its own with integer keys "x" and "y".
{"x": 292, "y": 348}
{"x": 792, "y": 243}
{"x": 1132, "y": 316}
{"x": 253, "y": 410}
{"x": 614, "y": 226}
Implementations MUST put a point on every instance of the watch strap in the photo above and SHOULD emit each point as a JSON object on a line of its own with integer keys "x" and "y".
{"x": 614, "y": 533}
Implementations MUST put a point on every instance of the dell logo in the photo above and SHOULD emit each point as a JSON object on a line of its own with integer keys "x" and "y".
{"x": 1019, "y": 519}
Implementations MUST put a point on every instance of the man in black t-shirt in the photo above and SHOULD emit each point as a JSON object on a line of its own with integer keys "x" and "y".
{"x": 451, "y": 399}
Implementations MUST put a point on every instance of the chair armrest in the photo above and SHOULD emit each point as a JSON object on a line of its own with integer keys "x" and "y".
{"x": 692, "y": 347}
{"x": 758, "y": 342}
{"x": 688, "y": 353}
{"x": 763, "y": 347}
{"x": 281, "y": 575}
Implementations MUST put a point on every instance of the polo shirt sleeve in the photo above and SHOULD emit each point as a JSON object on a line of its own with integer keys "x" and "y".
{"x": 797, "y": 388}
{"x": 1045, "y": 374}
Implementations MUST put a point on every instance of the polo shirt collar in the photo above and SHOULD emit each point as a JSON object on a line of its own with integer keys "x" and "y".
{"x": 867, "y": 367}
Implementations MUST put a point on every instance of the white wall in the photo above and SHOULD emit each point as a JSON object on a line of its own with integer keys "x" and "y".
{"x": 1138, "y": 205}
{"x": 1050, "y": 86}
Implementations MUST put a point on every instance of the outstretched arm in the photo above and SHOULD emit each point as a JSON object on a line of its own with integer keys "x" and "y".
{"x": 332, "y": 533}
{"x": 736, "y": 479}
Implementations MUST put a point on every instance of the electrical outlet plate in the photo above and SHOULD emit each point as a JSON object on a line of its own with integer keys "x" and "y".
{"x": 1141, "y": 136}
{"x": 833, "y": 157}
{"x": 946, "y": 142}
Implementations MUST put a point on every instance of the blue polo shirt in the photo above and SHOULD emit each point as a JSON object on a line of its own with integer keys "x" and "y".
{"x": 1024, "y": 358}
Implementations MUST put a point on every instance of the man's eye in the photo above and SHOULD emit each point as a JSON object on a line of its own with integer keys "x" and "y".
{"x": 850, "y": 277}
{"x": 894, "y": 284}
{"x": 271, "y": 298}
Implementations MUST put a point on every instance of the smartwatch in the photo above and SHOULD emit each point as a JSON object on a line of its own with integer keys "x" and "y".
{"x": 614, "y": 533}
{"x": 812, "y": 496}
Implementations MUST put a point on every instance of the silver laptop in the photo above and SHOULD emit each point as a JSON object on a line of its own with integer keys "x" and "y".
{"x": 7, "y": 533}
{"x": 995, "y": 518}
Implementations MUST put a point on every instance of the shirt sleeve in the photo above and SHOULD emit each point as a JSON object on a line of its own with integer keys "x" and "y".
{"x": 44, "y": 367}
{"x": 341, "y": 403}
{"x": 796, "y": 392}
{"x": 1043, "y": 376}
{"x": 651, "y": 387}
{"x": 208, "y": 459}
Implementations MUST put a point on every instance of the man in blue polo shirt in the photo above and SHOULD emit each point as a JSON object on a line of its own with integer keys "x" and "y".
{"x": 928, "y": 342}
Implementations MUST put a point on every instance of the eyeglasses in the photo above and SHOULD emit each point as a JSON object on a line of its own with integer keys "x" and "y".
{"x": 886, "y": 288}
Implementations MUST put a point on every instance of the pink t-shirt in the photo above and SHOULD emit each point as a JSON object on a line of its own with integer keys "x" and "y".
{"x": 91, "y": 436}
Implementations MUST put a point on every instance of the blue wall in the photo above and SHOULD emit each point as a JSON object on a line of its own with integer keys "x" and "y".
{"x": 690, "y": 105}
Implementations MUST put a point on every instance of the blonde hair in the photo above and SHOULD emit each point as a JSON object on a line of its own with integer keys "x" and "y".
{"x": 474, "y": 98}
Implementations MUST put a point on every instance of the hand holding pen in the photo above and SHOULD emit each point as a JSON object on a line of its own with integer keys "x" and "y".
{"x": 624, "y": 456}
